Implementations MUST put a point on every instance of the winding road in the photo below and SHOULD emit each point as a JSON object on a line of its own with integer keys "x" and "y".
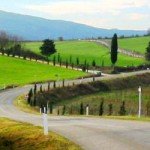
{"x": 90, "y": 133}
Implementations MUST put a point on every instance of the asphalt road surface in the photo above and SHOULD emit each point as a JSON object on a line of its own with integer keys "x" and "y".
{"x": 89, "y": 133}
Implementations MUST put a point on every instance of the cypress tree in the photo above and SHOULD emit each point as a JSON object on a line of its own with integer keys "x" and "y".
{"x": 35, "y": 89}
{"x": 54, "y": 85}
{"x": 30, "y": 94}
{"x": 101, "y": 108}
{"x": 81, "y": 109}
{"x": 48, "y": 86}
{"x": 54, "y": 60}
{"x": 51, "y": 107}
{"x": 41, "y": 89}
{"x": 122, "y": 111}
{"x": 110, "y": 109}
{"x": 114, "y": 49}
{"x": 64, "y": 110}
{"x": 66, "y": 63}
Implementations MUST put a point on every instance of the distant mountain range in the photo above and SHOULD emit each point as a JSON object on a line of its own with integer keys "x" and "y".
{"x": 35, "y": 28}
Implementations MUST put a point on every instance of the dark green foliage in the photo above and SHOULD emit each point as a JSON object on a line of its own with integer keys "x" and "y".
{"x": 54, "y": 60}
{"x": 114, "y": 49}
{"x": 64, "y": 110}
{"x": 72, "y": 65}
{"x": 93, "y": 63}
{"x": 66, "y": 63}
{"x": 48, "y": 47}
{"x": 60, "y": 62}
{"x": 147, "y": 55}
{"x": 58, "y": 57}
{"x": 41, "y": 89}
{"x": 93, "y": 79}
{"x": 54, "y": 84}
{"x": 110, "y": 109}
{"x": 81, "y": 109}
{"x": 48, "y": 86}
{"x": 51, "y": 107}
{"x": 122, "y": 111}
{"x": 30, "y": 94}
{"x": 35, "y": 89}
{"x": 101, "y": 108}
{"x": 70, "y": 60}
{"x": 63, "y": 83}
{"x": 34, "y": 101}
{"x": 77, "y": 61}
{"x": 102, "y": 63}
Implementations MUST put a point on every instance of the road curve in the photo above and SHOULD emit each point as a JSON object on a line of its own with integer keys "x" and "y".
{"x": 89, "y": 133}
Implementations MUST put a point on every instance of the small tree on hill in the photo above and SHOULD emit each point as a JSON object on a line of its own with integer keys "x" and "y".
{"x": 114, "y": 49}
{"x": 54, "y": 60}
{"x": 101, "y": 108}
{"x": 81, "y": 109}
{"x": 110, "y": 109}
{"x": 30, "y": 94}
{"x": 35, "y": 89}
{"x": 122, "y": 111}
{"x": 48, "y": 47}
{"x": 147, "y": 55}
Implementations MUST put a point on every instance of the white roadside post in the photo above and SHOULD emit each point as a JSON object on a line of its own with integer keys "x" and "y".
{"x": 45, "y": 124}
{"x": 140, "y": 100}
{"x": 87, "y": 110}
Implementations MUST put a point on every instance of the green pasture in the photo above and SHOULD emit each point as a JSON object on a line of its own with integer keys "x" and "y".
{"x": 14, "y": 71}
{"x": 84, "y": 50}
{"x": 137, "y": 44}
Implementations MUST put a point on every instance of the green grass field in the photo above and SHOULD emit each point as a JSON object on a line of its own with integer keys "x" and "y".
{"x": 14, "y": 71}
{"x": 137, "y": 44}
{"x": 88, "y": 51}
{"x": 22, "y": 136}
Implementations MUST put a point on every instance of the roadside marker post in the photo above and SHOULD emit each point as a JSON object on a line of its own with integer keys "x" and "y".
{"x": 87, "y": 110}
{"x": 45, "y": 124}
{"x": 140, "y": 101}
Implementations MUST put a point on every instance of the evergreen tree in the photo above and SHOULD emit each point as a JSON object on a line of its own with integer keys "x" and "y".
{"x": 122, "y": 111}
{"x": 81, "y": 109}
{"x": 54, "y": 60}
{"x": 48, "y": 47}
{"x": 51, "y": 107}
{"x": 35, "y": 89}
{"x": 30, "y": 94}
{"x": 64, "y": 110}
{"x": 77, "y": 61}
{"x": 101, "y": 108}
{"x": 48, "y": 86}
{"x": 114, "y": 49}
{"x": 93, "y": 63}
{"x": 110, "y": 109}
{"x": 66, "y": 63}
{"x": 147, "y": 55}
{"x": 70, "y": 60}
{"x": 41, "y": 89}
{"x": 58, "y": 57}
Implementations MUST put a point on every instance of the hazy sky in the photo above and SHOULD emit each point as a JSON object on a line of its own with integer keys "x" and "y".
{"x": 122, "y": 14}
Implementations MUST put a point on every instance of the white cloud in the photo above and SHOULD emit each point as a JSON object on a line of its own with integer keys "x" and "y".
{"x": 99, "y": 13}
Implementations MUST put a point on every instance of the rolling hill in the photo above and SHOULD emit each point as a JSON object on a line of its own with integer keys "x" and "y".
{"x": 35, "y": 28}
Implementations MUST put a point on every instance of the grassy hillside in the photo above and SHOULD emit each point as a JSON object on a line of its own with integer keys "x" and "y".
{"x": 88, "y": 51}
{"x": 137, "y": 44}
{"x": 17, "y": 135}
{"x": 18, "y": 72}
{"x": 130, "y": 96}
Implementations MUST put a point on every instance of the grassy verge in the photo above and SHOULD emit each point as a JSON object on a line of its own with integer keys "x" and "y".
{"x": 23, "y": 136}
{"x": 22, "y": 104}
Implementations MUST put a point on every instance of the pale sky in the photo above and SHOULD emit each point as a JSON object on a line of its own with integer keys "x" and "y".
{"x": 121, "y": 14}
